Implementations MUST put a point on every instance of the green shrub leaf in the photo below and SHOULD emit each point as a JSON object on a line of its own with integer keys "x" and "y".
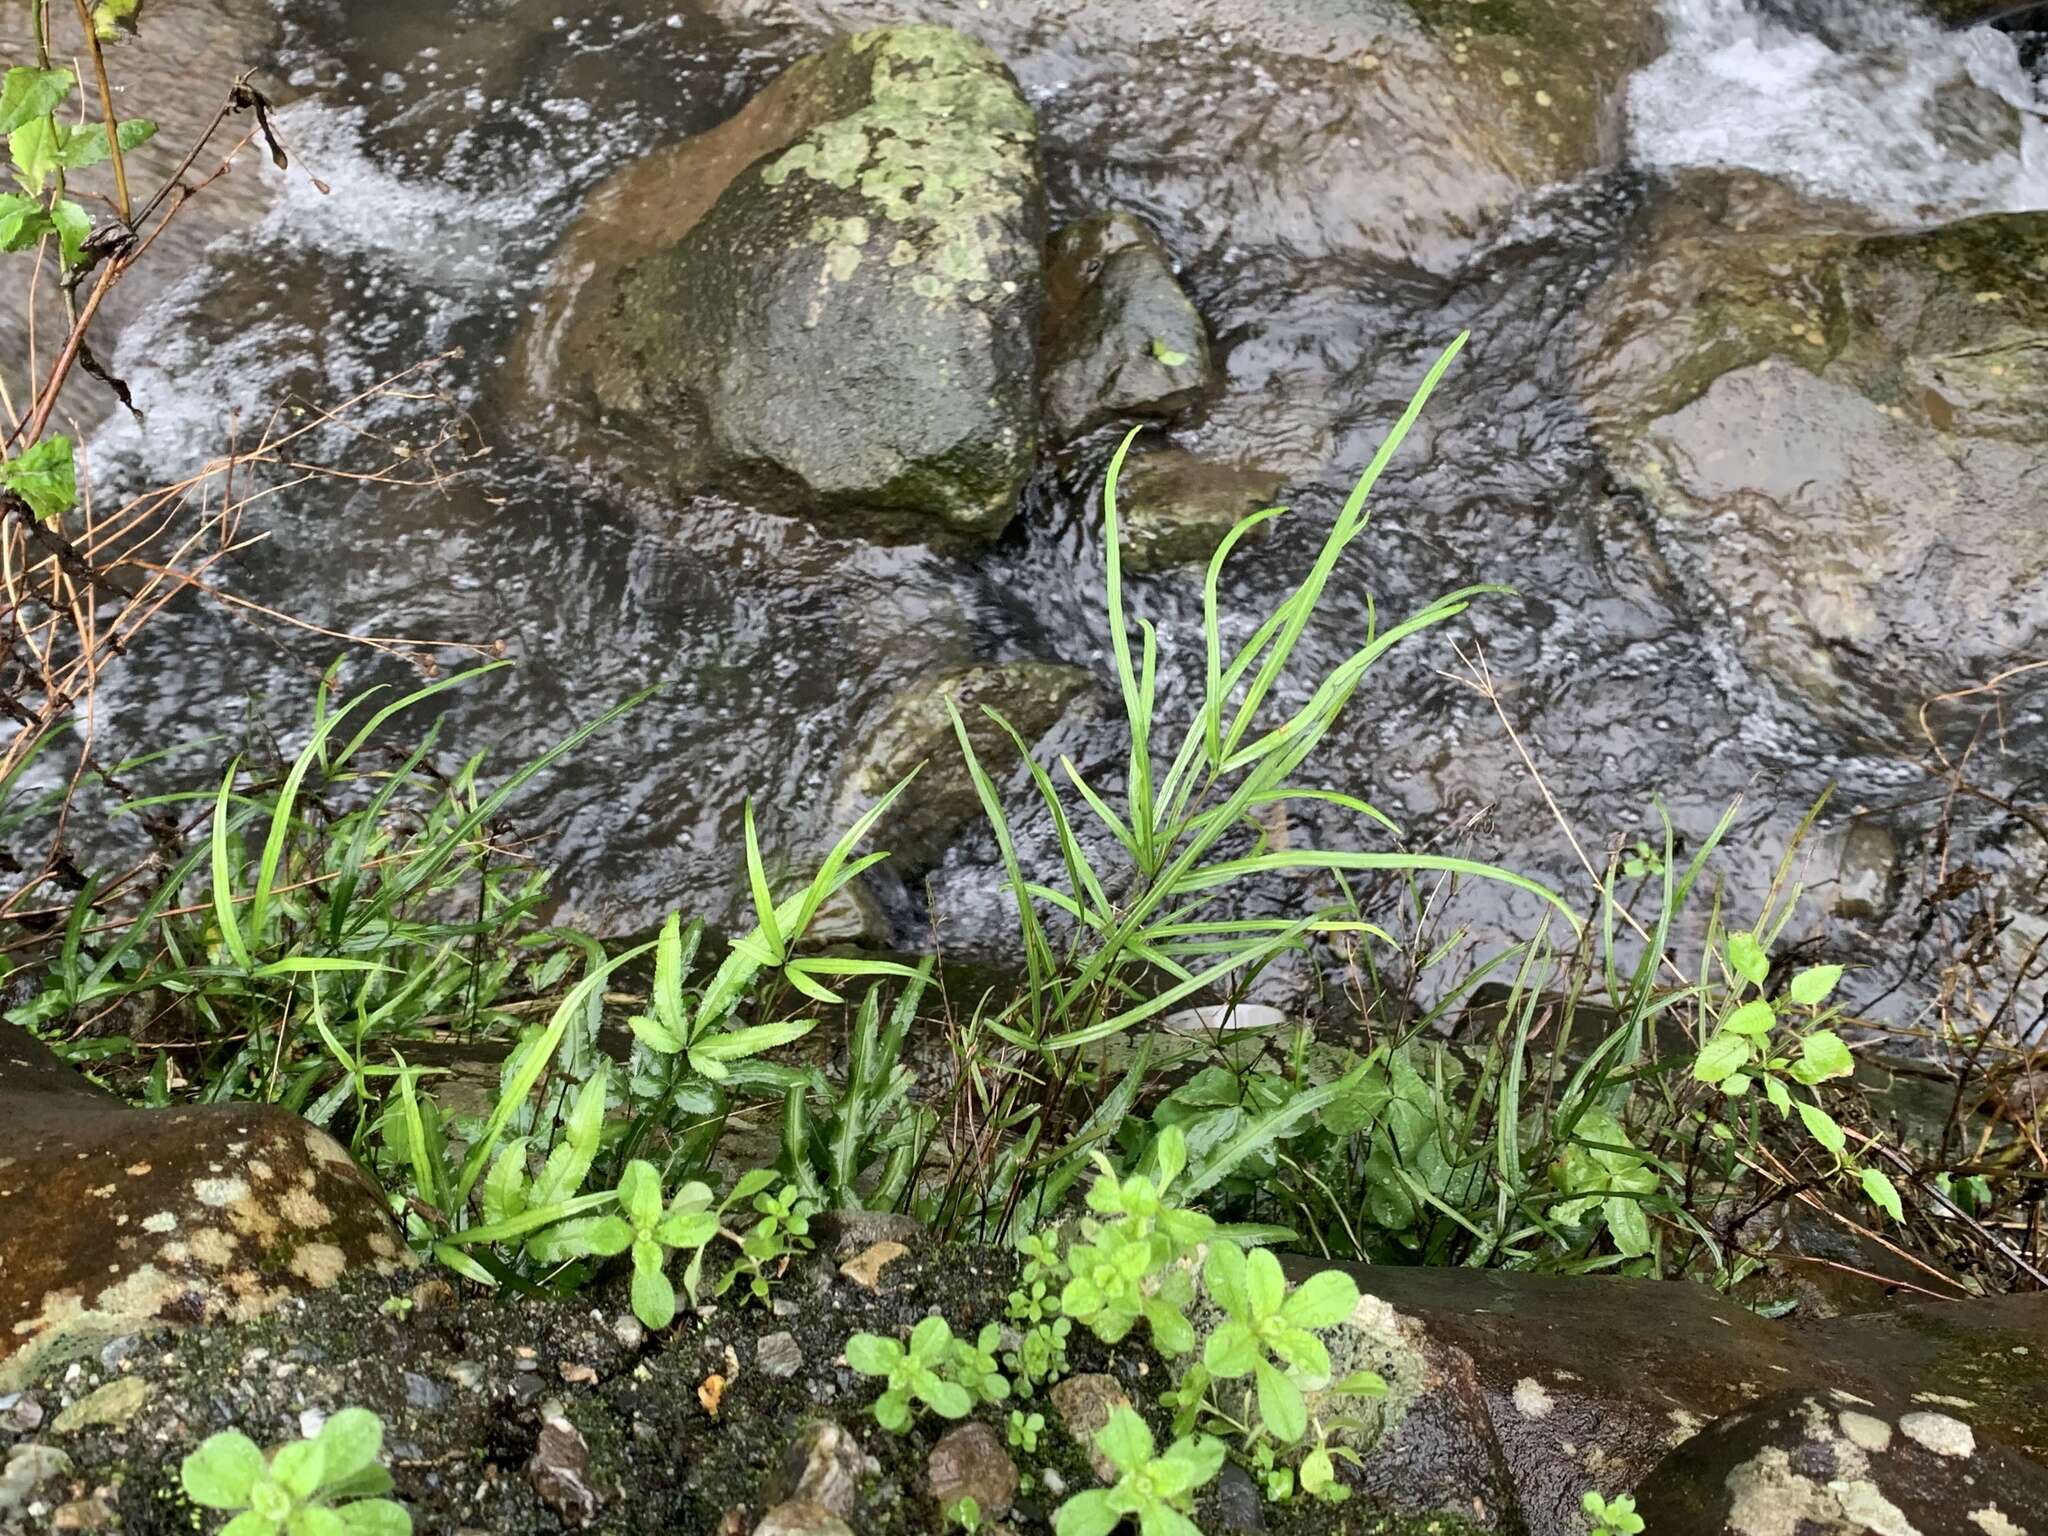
{"x": 1811, "y": 988}
{"x": 1747, "y": 959}
{"x": 221, "y": 1473}
{"x": 1883, "y": 1194}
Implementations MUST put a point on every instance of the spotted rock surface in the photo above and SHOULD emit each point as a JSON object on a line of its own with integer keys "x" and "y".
{"x": 115, "y": 1219}
{"x": 1836, "y": 1464}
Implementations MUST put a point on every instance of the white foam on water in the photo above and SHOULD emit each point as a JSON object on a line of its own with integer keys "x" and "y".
{"x": 1891, "y": 111}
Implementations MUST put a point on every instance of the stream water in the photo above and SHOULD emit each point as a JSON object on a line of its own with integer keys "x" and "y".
{"x": 458, "y": 138}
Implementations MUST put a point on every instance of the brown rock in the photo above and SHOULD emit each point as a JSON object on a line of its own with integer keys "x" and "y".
{"x": 115, "y": 1219}
{"x": 559, "y": 1471}
{"x": 1084, "y": 1404}
{"x": 971, "y": 1462}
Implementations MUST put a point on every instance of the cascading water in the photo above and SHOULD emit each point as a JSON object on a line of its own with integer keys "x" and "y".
{"x": 1863, "y": 102}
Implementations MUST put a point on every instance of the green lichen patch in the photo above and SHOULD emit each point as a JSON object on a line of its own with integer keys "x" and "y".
{"x": 943, "y": 150}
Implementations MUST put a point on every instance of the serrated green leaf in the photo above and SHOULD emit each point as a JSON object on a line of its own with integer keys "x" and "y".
{"x": 87, "y": 145}
{"x": 1822, "y": 1056}
{"x": 32, "y": 93}
{"x": 1754, "y": 1017}
{"x": 44, "y": 476}
{"x": 1720, "y": 1058}
{"x": 23, "y": 221}
{"x": 1821, "y": 1126}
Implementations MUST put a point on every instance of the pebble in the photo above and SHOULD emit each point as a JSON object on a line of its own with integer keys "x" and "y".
{"x": 971, "y": 1462}
{"x": 422, "y": 1393}
{"x": 20, "y": 1413}
{"x": 466, "y": 1373}
{"x": 561, "y": 1458}
{"x": 629, "y": 1331}
{"x": 778, "y": 1355}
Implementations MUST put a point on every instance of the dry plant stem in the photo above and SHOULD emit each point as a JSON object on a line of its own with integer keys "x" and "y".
{"x": 1479, "y": 678}
{"x": 99, "y": 69}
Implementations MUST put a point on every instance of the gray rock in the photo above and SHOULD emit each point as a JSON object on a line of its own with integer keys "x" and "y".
{"x": 1120, "y": 339}
{"x": 198, "y": 1215}
{"x": 1837, "y": 1464}
{"x": 971, "y": 1462}
{"x": 1174, "y": 508}
{"x": 28, "y": 1468}
{"x": 915, "y": 728}
{"x": 836, "y": 293}
{"x": 779, "y": 1356}
{"x": 822, "y": 1467}
{"x": 1234, "y": 1505}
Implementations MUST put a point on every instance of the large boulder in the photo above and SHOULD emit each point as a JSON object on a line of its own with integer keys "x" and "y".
{"x": 115, "y": 1220}
{"x": 1400, "y": 128}
{"x": 1828, "y": 424}
{"x": 836, "y": 294}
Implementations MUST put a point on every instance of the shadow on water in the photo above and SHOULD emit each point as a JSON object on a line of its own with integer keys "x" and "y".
{"x": 459, "y": 140}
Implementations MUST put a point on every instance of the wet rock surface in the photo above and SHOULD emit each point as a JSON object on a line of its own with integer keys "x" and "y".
{"x": 1120, "y": 337}
{"x": 115, "y": 1220}
{"x": 846, "y": 295}
{"x": 1822, "y": 422}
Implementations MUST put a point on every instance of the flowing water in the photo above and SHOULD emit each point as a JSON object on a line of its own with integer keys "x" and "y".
{"x": 458, "y": 137}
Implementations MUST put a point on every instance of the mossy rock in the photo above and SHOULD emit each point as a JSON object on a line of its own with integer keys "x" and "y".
{"x": 835, "y": 296}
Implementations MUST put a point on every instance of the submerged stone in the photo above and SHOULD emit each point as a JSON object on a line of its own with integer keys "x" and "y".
{"x": 916, "y": 728}
{"x": 835, "y": 295}
{"x": 115, "y": 1219}
{"x": 1175, "y": 507}
{"x": 1120, "y": 338}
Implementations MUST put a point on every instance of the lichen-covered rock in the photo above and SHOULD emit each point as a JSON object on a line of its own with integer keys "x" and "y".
{"x": 836, "y": 294}
{"x": 1120, "y": 338}
{"x": 1827, "y": 427}
{"x": 1838, "y": 1464}
{"x": 1396, "y": 128}
{"x": 1174, "y": 507}
{"x": 114, "y": 1220}
{"x": 916, "y": 728}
